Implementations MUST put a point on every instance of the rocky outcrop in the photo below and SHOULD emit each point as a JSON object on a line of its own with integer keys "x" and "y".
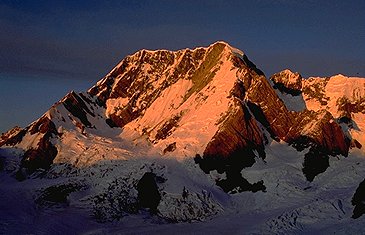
{"x": 321, "y": 129}
{"x": 315, "y": 89}
{"x": 319, "y": 132}
{"x": 238, "y": 131}
{"x": 13, "y": 136}
{"x": 347, "y": 107}
{"x": 42, "y": 155}
{"x": 260, "y": 93}
{"x": 77, "y": 107}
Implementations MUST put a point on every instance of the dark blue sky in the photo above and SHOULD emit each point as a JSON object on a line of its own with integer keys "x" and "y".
{"x": 50, "y": 47}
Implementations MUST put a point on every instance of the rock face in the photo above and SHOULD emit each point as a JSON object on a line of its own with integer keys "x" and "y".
{"x": 211, "y": 103}
{"x": 13, "y": 136}
{"x": 329, "y": 101}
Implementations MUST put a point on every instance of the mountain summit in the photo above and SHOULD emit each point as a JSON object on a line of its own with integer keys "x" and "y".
{"x": 210, "y": 104}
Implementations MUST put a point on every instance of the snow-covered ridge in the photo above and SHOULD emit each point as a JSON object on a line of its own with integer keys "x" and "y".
{"x": 342, "y": 96}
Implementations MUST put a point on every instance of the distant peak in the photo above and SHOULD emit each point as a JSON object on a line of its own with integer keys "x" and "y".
{"x": 288, "y": 80}
{"x": 288, "y": 74}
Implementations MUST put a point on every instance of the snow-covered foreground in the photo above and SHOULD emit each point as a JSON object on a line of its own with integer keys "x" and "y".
{"x": 101, "y": 198}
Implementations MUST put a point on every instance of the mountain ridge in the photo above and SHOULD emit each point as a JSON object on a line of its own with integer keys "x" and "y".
{"x": 165, "y": 81}
{"x": 229, "y": 128}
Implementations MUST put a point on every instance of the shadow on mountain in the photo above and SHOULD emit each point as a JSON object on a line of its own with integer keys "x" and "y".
{"x": 315, "y": 163}
{"x": 148, "y": 194}
{"x": 57, "y": 195}
{"x": 358, "y": 200}
{"x": 232, "y": 166}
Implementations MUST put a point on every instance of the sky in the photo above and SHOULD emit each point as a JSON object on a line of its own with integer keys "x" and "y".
{"x": 48, "y": 48}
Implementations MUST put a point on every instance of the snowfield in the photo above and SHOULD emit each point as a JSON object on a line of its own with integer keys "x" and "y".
{"x": 191, "y": 203}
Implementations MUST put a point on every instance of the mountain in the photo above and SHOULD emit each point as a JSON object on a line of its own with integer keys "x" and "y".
{"x": 185, "y": 133}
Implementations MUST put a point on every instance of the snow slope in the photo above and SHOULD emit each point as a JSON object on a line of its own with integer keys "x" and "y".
{"x": 290, "y": 204}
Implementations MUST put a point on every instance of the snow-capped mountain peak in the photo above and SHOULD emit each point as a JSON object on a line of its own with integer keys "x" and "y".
{"x": 162, "y": 119}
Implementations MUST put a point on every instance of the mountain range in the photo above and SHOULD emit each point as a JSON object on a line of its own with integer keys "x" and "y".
{"x": 178, "y": 140}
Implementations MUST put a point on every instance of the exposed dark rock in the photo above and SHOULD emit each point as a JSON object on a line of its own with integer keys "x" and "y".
{"x": 302, "y": 142}
{"x": 236, "y": 161}
{"x": 324, "y": 138}
{"x": 42, "y": 156}
{"x": 252, "y": 66}
{"x": 318, "y": 129}
{"x": 77, "y": 107}
{"x": 13, "y": 136}
{"x": 358, "y": 200}
{"x": 347, "y": 107}
{"x": 287, "y": 82}
{"x": 232, "y": 166}
{"x": 260, "y": 116}
{"x": 124, "y": 115}
{"x": 238, "y": 90}
{"x": 329, "y": 135}
{"x": 167, "y": 127}
{"x": 115, "y": 201}
{"x": 238, "y": 131}
{"x": 243, "y": 61}
{"x": 316, "y": 91}
{"x": 170, "y": 148}
{"x": 88, "y": 100}
{"x": 276, "y": 114}
{"x": 21, "y": 174}
{"x": 355, "y": 144}
{"x": 148, "y": 194}
{"x": 102, "y": 92}
{"x": 43, "y": 125}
